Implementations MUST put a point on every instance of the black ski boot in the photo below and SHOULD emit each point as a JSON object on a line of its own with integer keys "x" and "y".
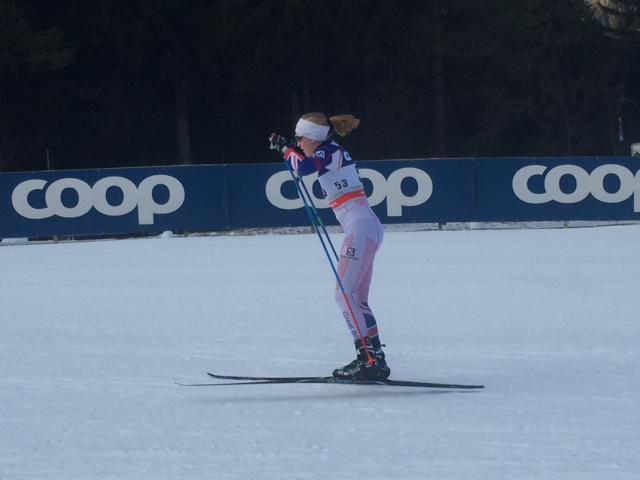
{"x": 360, "y": 369}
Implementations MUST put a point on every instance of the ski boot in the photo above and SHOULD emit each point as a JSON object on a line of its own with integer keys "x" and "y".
{"x": 360, "y": 369}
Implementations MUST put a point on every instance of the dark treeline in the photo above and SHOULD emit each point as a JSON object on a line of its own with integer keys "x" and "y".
{"x": 106, "y": 83}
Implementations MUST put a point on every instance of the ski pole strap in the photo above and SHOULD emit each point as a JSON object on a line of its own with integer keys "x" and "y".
{"x": 342, "y": 199}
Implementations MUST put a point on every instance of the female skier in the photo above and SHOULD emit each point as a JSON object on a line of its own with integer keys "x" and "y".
{"x": 341, "y": 184}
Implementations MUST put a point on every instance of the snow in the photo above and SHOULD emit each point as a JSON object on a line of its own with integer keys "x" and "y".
{"x": 94, "y": 334}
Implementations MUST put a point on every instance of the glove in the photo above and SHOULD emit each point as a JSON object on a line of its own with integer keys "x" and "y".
{"x": 279, "y": 143}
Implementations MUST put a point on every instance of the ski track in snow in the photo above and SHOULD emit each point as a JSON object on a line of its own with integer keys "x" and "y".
{"x": 93, "y": 335}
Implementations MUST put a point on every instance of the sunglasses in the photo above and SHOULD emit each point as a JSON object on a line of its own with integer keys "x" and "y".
{"x": 298, "y": 138}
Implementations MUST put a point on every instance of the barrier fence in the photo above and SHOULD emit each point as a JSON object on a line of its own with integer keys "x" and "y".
{"x": 223, "y": 197}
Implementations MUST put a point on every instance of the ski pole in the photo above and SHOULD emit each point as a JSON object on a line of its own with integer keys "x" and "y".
{"x": 316, "y": 213}
{"x": 315, "y": 219}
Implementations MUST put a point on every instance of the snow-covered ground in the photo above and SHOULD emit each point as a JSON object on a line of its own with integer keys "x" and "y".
{"x": 94, "y": 334}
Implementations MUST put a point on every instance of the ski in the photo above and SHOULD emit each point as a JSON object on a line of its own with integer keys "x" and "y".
{"x": 310, "y": 379}
{"x": 278, "y": 379}
{"x": 248, "y": 380}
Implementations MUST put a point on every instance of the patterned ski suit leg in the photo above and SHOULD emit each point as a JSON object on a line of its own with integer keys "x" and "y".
{"x": 363, "y": 237}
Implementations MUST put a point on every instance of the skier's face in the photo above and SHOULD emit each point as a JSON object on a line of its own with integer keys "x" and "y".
{"x": 307, "y": 145}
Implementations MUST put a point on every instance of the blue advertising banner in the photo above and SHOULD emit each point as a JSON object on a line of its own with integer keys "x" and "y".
{"x": 98, "y": 202}
{"x": 565, "y": 188}
{"x": 400, "y": 191}
{"x": 221, "y": 197}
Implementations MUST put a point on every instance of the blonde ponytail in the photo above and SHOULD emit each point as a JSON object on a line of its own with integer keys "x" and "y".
{"x": 343, "y": 124}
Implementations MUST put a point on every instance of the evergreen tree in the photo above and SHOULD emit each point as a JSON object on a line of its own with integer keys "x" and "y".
{"x": 30, "y": 57}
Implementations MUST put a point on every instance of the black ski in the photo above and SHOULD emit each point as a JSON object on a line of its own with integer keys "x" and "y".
{"x": 278, "y": 379}
{"x": 246, "y": 380}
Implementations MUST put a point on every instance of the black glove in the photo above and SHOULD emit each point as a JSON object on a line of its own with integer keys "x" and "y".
{"x": 279, "y": 143}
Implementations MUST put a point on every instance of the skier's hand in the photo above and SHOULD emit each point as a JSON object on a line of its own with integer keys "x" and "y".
{"x": 279, "y": 143}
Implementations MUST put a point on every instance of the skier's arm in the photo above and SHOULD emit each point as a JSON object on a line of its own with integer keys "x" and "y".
{"x": 299, "y": 162}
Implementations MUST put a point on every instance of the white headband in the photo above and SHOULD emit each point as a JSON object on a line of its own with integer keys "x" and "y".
{"x": 310, "y": 130}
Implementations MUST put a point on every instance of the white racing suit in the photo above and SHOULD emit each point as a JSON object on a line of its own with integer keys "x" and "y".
{"x": 341, "y": 184}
